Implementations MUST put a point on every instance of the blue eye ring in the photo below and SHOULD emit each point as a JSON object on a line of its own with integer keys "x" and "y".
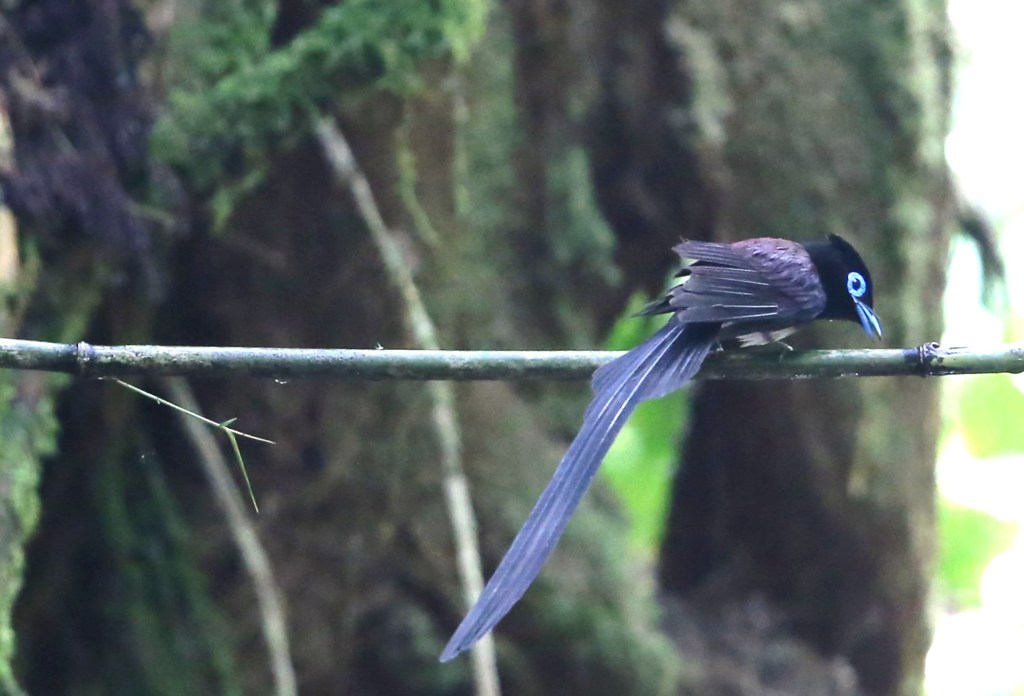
{"x": 856, "y": 285}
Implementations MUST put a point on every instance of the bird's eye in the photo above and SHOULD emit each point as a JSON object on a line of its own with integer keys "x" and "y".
{"x": 856, "y": 285}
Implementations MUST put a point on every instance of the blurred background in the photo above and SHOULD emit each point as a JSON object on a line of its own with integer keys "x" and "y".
{"x": 169, "y": 176}
{"x": 980, "y": 615}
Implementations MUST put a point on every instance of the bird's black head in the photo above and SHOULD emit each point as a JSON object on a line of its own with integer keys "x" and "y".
{"x": 847, "y": 282}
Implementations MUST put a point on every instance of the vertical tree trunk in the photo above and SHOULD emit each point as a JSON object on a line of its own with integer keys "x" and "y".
{"x": 813, "y": 502}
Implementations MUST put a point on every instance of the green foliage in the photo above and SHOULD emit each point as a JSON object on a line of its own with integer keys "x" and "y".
{"x": 227, "y": 37}
{"x": 991, "y": 415}
{"x": 642, "y": 462}
{"x": 241, "y": 98}
{"x": 970, "y": 540}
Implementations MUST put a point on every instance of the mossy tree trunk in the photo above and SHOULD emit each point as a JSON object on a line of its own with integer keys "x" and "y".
{"x": 803, "y": 513}
{"x": 534, "y": 188}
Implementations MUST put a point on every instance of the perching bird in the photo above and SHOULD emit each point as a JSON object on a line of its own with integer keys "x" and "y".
{"x": 756, "y": 291}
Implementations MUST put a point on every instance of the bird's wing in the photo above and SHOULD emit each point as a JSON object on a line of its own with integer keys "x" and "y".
{"x": 757, "y": 280}
{"x": 662, "y": 364}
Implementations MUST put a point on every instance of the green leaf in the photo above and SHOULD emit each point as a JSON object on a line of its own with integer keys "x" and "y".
{"x": 991, "y": 414}
{"x": 970, "y": 539}
{"x": 642, "y": 463}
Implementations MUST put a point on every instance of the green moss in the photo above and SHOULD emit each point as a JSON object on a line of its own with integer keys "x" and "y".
{"x": 28, "y": 429}
{"x": 247, "y": 99}
{"x": 523, "y": 186}
{"x": 172, "y": 638}
{"x": 583, "y": 240}
{"x": 485, "y": 196}
{"x": 225, "y": 37}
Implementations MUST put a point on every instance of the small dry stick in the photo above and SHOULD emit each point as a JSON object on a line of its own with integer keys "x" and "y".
{"x": 231, "y": 433}
{"x": 446, "y": 424}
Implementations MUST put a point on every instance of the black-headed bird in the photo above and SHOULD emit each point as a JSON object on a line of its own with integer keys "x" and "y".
{"x": 755, "y": 291}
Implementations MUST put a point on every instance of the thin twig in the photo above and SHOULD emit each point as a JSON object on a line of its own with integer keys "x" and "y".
{"x": 254, "y": 556}
{"x": 231, "y": 434}
{"x": 446, "y": 424}
{"x": 164, "y": 402}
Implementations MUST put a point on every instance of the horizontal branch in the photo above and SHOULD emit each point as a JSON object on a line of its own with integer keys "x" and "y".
{"x": 87, "y": 360}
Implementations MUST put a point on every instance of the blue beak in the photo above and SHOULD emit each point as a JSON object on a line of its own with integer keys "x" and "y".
{"x": 868, "y": 320}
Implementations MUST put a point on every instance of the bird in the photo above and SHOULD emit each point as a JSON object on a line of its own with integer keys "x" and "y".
{"x": 750, "y": 292}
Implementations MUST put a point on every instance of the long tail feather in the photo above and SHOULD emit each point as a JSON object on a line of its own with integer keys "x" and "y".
{"x": 662, "y": 364}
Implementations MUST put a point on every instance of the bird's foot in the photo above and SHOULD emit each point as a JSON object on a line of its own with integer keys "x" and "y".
{"x": 779, "y": 347}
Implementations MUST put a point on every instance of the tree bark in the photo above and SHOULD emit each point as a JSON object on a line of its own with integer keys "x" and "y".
{"x": 811, "y": 505}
